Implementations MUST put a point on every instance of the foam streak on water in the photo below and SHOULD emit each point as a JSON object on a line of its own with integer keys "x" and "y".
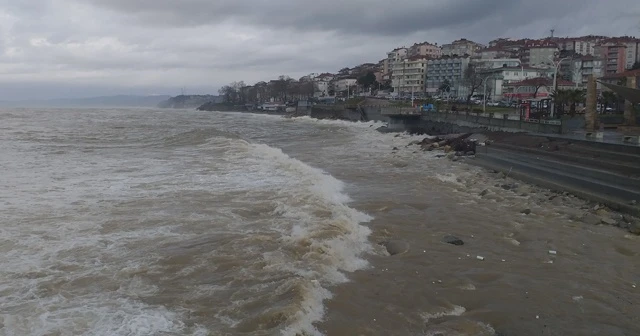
{"x": 118, "y": 225}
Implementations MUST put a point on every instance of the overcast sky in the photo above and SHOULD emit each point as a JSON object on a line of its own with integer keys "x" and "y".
{"x": 79, "y": 48}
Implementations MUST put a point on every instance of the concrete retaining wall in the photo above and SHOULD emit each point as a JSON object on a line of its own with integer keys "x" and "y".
{"x": 493, "y": 124}
{"x": 334, "y": 112}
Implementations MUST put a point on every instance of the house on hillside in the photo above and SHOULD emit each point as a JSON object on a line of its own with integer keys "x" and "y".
{"x": 540, "y": 87}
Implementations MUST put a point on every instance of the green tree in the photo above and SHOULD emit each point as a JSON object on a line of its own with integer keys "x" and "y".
{"x": 561, "y": 98}
{"x": 386, "y": 85}
{"x": 445, "y": 86}
{"x": 367, "y": 80}
{"x": 576, "y": 97}
{"x": 472, "y": 80}
{"x": 609, "y": 99}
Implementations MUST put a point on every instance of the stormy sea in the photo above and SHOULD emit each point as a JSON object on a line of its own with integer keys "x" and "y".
{"x": 178, "y": 222}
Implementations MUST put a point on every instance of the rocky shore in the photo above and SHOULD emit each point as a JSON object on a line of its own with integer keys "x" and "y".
{"x": 461, "y": 147}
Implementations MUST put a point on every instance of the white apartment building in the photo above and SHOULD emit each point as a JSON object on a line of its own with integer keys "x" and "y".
{"x": 321, "y": 88}
{"x": 585, "y": 66}
{"x": 633, "y": 51}
{"x": 499, "y": 77}
{"x": 396, "y": 55}
{"x": 344, "y": 84}
{"x": 408, "y": 75}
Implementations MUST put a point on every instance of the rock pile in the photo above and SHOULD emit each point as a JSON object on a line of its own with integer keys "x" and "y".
{"x": 460, "y": 144}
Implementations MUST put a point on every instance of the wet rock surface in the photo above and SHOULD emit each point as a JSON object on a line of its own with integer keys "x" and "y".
{"x": 453, "y": 240}
{"x": 396, "y": 247}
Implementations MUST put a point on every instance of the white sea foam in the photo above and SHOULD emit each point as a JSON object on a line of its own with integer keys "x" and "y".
{"x": 453, "y": 311}
{"x": 330, "y": 253}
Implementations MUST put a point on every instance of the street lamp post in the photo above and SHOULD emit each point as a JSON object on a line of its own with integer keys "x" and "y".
{"x": 555, "y": 82}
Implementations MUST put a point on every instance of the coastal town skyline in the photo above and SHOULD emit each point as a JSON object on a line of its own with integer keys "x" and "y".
{"x": 140, "y": 47}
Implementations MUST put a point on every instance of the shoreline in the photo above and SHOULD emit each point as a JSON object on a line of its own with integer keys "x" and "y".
{"x": 472, "y": 296}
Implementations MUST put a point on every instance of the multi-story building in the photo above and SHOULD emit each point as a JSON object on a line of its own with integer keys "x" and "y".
{"x": 497, "y": 63}
{"x": 584, "y": 45}
{"x": 632, "y": 49}
{"x": 461, "y": 47}
{"x": 621, "y": 78}
{"x": 425, "y": 49}
{"x": 613, "y": 55}
{"x": 583, "y": 67}
{"x": 495, "y": 53}
{"x": 450, "y": 69}
{"x": 344, "y": 84}
{"x": 539, "y": 53}
{"x": 396, "y": 55}
{"x": 499, "y": 77}
{"x": 540, "y": 87}
{"x": 407, "y": 75}
{"x": 321, "y": 88}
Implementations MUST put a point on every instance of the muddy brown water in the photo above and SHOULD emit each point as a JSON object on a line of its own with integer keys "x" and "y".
{"x": 157, "y": 222}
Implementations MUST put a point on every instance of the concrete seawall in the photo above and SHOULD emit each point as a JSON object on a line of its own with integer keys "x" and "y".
{"x": 441, "y": 122}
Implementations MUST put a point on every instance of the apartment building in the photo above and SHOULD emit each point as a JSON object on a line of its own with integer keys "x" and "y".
{"x": 632, "y": 49}
{"x": 408, "y": 75}
{"x": 585, "y": 66}
{"x": 461, "y": 47}
{"x": 500, "y": 77}
{"x": 496, "y": 53}
{"x": 344, "y": 84}
{"x": 584, "y": 45}
{"x": 396, "y": 55}
{"x": 425, "y": 49}
{"x": 539, "y": 53}
{"x": 613, "y": 55}
{"x": 497, "y": 63}
{"x": 451, "y": 69}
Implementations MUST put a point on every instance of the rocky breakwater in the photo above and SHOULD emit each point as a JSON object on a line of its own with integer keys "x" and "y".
{"x": 454, "y": 146}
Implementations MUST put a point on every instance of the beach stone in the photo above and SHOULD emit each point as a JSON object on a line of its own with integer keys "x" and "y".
{"x": 484, "y": 192}
{"x": 502, "y": 175}
{"x": 557, "y": 201}
{"x": 395, "y": 148}
{"x": 591, "y": 219}
{"x": 453, "y": 240}
{"x": 459, "y": 153}
{"x": 633, "y": 202}
{"x": 447, "y": 149}
{"x": 470, "y": 153}
{"x": 608, "y": 221}
{"x": 526, "y": 211}
{"x": 635, "y": 228}
{"x": 395, "y": 247}
{"x": 455, "y": 159}
{"x": 627, "y": 219}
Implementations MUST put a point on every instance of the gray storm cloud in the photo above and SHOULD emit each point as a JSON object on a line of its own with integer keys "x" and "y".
{"x": 159, "y": 46}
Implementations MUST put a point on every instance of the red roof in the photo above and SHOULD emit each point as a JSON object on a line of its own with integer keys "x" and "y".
{"x": 628, "y": 73}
